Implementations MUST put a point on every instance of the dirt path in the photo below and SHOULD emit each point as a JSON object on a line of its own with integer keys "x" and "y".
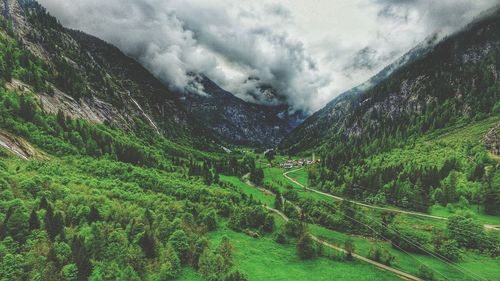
{"x": 399, "y": 273}
{"x": 487, "y": 226}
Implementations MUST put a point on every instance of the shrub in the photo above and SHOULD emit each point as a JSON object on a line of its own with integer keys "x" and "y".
{"x": 305, "y": 247}
{"x": 425, "y": 273}
{"x": 450, "y": 250}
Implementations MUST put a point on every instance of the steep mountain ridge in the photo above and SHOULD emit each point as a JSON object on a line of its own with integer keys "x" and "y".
{"x": 235, "y": 120}
{"x": 94, "y": 80}
{"x": 228, "y": 117}
{"x": 461, "y": 70}
{"x": 99, "y": 84}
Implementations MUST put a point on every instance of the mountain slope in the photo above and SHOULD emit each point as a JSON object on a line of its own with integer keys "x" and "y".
{"x": 235, "y": 120}
{"x": 427, "y": 135}
{"x": 86, "y": 73}
{"x": 92, "y": 79}
{"x": 455, "y": 78}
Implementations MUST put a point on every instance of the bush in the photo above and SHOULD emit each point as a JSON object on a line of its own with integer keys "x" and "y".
{"x": 349, "y": 248}
{"x": 409, "y": 240}
{"x": 305, "y": 247}
{"x": 465, "y": 231}
{"x": 280, "y": 237}
{"x": 294, "y": 228}
{"x": 450, "y": 250}
{"x": 268, "y": 224}
{"x": 388, "y": 258}
{"x": 425, "y": 273}
{"x": 375, "y": 253}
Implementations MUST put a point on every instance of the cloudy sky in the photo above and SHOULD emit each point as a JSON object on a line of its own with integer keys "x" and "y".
{"x": 309, "y": 51}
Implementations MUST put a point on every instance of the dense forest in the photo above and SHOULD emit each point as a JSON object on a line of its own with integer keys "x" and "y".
{"x": 84, "y": 200}
{"x": 141, "y": 205}
{"x": 377, "y": 155}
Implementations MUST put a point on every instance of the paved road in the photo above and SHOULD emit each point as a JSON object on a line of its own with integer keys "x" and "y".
{"x": 399, "y": 273}
{"x": 487, "y": 226}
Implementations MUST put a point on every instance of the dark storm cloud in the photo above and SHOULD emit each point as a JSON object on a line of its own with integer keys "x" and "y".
{"x": 232, "y": 41}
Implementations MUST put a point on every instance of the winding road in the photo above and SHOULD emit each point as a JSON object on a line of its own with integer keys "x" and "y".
{"x": 487, "y": 226}
{"x": 399, "y": 273}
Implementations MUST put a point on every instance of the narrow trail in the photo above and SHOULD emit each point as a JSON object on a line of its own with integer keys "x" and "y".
{"x": 401, "y": 274}
{"x": 338, "y": 198}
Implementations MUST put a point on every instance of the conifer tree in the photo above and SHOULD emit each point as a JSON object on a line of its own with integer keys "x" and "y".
{"x": 34, "y": 222}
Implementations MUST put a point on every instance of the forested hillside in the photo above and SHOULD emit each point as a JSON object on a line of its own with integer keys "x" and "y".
{"x": 104, "y": 175}
{"x": 87, "y": 78}
{"x": 393, "y": 144}
{"x": 456, "y": 79}
{"x": 112, "y": 199}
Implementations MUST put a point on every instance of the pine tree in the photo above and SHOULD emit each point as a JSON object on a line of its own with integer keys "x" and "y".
{"x": 43, "y": 203}
{"x": 54, "y": 223}
{"x": 81, "y": 257}
{"x": 180, "y": 243}
{"x": 18, "y": 224}
{"x": 34, "y": 221}
{"x": 148, "y": 244}
{"x": 278, "y": 201}
{"x": 226, "y": 251}
{"x": 93, "y": 215}
{"x": 148, "y": 216}
{"x": 171, "y": 264}
{"x": 305, "y": 247}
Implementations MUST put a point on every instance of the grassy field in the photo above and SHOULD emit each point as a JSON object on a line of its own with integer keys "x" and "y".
{"x": 483, "y": 266}
{"x": 274, "y": 177}
{"x": 264, "y": 259}
{"x": 264, "y": 198}
{"x": 471, "y": 263}
{"x": 481, "y": 217}
{"x": 436, "y": 210}
{"x": 451, "y": 142}
{"x": 300, "y": 176}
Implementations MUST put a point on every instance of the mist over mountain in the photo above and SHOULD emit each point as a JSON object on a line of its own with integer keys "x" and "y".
{"x": 278, "y": 42}
{"x": 176, "y": 140}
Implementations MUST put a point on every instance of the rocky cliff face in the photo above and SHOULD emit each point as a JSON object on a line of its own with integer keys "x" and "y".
{"x": 235, "y": 120}
{"x": 492, "y": 140}
{"x": 114, "y": 89}
{"x": 429, "y": 87}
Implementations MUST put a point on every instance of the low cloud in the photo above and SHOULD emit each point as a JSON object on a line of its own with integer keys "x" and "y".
{"x": 265, "y": 51}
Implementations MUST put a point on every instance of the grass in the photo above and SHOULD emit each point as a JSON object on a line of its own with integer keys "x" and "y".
{"x": 300, "y": 176}
{"x": 436, "y": 210}
{"x": 471, "y": 262}
{"x": 273, "y": 176}
{"x": 409, "y": 263}
{"x": 481, "y": 217}
{"x": 264, "y": 259}
{"x": 404, "y": 261}
{"x": 188, "y": 274}
{"x": 264, "y": 198}
{"x": 483, "y": 266}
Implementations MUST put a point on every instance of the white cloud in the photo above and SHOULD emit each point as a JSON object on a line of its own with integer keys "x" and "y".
{"x": 309, "y": 51}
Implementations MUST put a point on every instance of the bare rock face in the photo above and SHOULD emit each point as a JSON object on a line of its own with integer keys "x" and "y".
{"x": 492, "y": 140}
{"x": 17, "y": 146}
{"x": 119, "y": 91}
{"x": 459, "y": 75}
{"x": 90, "y": 108}
{"x": 235, "y": 120}
{"x": 115, "y": 88}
